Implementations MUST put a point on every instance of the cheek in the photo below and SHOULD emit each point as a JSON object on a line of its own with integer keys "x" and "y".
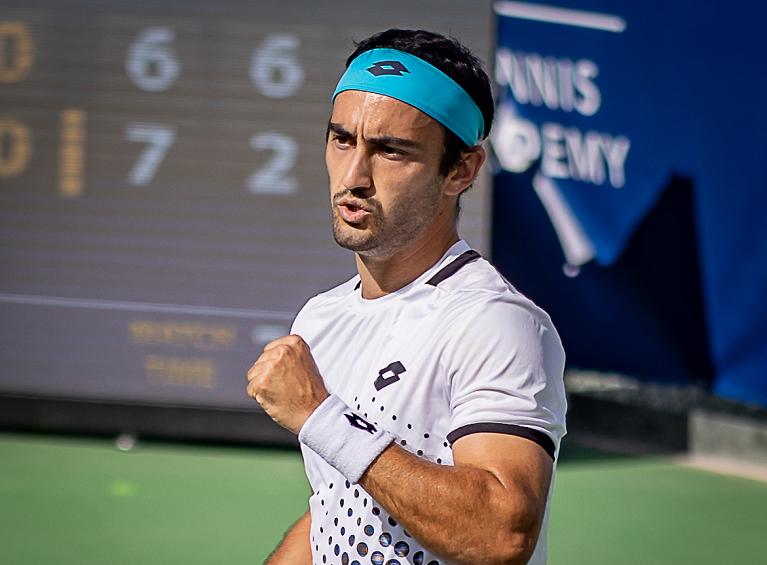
{"x": 401, "y": 177}
{"x": 404, "y": 187}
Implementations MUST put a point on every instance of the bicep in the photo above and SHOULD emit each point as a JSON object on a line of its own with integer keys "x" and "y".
{"x": 522, "y": 466}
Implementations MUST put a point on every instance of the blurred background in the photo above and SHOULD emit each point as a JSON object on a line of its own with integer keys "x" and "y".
{"x": 164, "y": 214}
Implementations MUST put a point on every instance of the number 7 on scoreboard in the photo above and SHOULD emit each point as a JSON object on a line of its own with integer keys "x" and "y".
{"x": 160, "y": 138}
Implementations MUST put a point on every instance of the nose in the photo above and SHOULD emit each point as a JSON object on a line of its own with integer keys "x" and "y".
{"x": 357, "y": 177}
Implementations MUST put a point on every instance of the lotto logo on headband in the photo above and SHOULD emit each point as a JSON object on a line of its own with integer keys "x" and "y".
{"x": 426, "y": 88}
{"x": 387, "y": 68}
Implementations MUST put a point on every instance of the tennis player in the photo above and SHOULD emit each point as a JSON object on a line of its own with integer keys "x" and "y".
{"x": 426, "y": 392}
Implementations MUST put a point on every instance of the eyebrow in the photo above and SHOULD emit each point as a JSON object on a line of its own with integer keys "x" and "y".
{"x": 381, "y": 140}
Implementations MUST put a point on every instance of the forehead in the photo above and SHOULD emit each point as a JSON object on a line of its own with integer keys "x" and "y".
{"x": 378, "y": 114}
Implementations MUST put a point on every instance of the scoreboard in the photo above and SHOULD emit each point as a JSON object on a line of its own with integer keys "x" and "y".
{"x": 164, "y": 206}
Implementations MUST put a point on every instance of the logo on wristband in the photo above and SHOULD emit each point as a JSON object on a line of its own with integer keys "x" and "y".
{"x": 360, "y": 423}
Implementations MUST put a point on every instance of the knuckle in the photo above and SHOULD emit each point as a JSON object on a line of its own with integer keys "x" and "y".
{"x": 282, "y": 349}
{"x": 258, "y": 382}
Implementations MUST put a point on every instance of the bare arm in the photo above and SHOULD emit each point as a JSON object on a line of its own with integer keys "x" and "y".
{"x": 294, "y": 549}
{"x": 486, "y": 509}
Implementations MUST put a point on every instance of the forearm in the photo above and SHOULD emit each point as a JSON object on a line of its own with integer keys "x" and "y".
{"x": 461, "y": 512}
{"x": 294, "y": 549}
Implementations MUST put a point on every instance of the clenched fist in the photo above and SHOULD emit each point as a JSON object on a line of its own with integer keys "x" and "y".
{"x": 285, "y": 381}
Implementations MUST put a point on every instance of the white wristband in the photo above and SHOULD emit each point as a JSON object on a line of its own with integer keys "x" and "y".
{"x": 344, "y": 439}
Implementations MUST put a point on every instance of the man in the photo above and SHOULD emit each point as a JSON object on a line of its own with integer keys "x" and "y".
{"x": 426, "y": 392}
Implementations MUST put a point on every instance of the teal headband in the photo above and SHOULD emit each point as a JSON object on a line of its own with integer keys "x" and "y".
{"x": 412, "y": 80}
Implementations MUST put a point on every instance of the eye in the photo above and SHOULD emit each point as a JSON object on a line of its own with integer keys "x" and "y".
{"x": 341, "y": 141}
{"x": 390, "y": 151}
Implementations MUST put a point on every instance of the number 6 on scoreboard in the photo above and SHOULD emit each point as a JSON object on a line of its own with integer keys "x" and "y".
{"x": 160, "y": 137}
{"x": 151, "y": 63}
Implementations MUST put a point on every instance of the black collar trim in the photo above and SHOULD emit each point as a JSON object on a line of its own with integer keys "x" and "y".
{"x": 448, "y": 270}
{"x": 454, "y": 266}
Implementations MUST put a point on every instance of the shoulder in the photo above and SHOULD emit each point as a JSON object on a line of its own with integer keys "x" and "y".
{"x": 478, "y": 294}
{"x": 317, "y": 302}
{"x": 483, "y": 316}
{"x": 340, "y": 291}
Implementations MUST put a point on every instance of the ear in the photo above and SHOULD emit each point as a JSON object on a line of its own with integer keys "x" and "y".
{"x": 465, "y": 171}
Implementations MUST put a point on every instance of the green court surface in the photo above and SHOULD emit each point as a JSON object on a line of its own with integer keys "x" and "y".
{"x": 81, "y": 501}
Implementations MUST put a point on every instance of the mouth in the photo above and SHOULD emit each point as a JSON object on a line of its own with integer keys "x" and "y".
{"x": 352, "y": 211}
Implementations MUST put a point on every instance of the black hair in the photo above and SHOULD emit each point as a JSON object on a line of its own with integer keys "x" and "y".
{"x": 453, "y": 59}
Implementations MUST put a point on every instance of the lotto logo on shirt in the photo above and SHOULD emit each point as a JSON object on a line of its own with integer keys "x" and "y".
{"x": 394, "y": 370}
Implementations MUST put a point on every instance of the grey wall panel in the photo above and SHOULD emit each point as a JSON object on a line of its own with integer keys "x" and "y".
{"x": 163, "y": 195}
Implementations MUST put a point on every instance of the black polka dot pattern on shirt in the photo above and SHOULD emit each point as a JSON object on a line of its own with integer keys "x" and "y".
{"x": 384, "y": 546}
{"x": 362, "y": 548}
{"x": 426, "y": 447}
{"x": 377, "y": 539}
{"x": 401, "y": 549}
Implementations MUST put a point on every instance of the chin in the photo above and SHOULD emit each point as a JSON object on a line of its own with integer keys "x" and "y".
{"x": 353, "y": 242}
{"x": 348, "y": 237}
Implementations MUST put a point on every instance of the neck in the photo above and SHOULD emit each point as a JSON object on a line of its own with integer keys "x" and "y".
{"x": 383, "y": 275}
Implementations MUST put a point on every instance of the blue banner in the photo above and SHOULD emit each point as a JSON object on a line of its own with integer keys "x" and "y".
{"x": 630, "y": 191}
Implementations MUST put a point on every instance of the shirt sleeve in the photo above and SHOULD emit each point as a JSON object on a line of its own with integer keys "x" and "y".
{"x": 505, "y": 365}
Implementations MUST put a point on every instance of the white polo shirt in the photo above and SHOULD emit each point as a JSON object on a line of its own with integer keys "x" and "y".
{"x": 457, "y": 351}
